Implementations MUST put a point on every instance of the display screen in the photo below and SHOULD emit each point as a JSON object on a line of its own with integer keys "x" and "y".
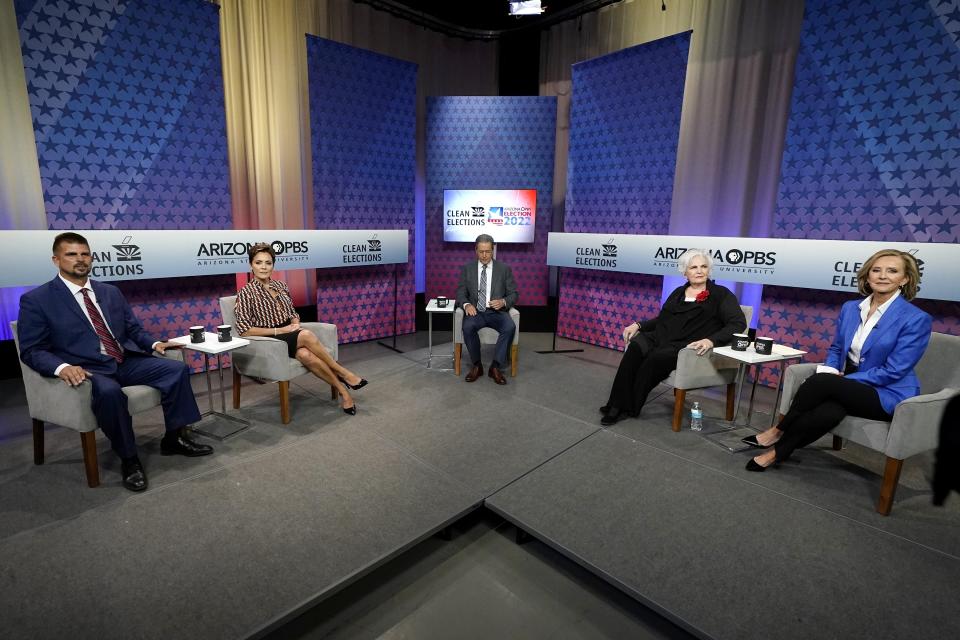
{"x": 509, "y": 215}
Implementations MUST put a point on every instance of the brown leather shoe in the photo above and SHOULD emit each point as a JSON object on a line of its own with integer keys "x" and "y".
{"x": 497, "y": 376}
{"x": 475, "y": 372}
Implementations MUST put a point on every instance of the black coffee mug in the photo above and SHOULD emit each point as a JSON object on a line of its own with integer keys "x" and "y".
{"x": 196, "y": 335}
{"x": 740, "y": 342}
{"x": 223, "y": 333}
{"x": 763, "y": 346}
{"x": 441, "y": 302}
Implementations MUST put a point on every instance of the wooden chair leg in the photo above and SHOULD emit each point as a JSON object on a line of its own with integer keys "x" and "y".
{"x": 37, "y": 441}
{"x": 88, "y": 440}
{"x": 679, "y": 396}
{"x": 284, "y": 401}
{"x": 891, "y": 476}
{"x": 456, "y": 358}
{"x": 514, "y": 353}
{"x": 236, "y": 388}
{"x": 731, "y": 399}
{"x": 837, "y": 443}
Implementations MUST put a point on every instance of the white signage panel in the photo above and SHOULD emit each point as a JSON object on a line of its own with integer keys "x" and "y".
{"x": 137, "y": 255}
{"x": 809, "y": 264}
{"x": 508, "y": 215}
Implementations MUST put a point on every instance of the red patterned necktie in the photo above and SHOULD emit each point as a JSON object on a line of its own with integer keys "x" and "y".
{"x": 106, "y": 338}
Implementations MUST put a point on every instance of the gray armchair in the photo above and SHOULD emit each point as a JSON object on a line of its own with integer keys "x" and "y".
{"x": 487, "y": 336}
{"x": 698, "y": 372}
{"x": 50, "y": 400}
{"x": 267, "y": 359}
{"x": 916, "y": 421}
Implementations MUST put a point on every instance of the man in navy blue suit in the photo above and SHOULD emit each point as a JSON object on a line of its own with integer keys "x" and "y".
{"x": 78, "y": 329}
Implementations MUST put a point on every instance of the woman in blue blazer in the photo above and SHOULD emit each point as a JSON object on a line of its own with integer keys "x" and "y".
{"x": 869, "y": 368}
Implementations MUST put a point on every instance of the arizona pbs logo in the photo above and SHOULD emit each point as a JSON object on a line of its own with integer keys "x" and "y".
{"x": 495, "y": 216}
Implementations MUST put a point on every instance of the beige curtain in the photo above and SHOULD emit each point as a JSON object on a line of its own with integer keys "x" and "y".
{"x": 21, "y": 198}
{"x": 736, "y": 98}
{"x": 268, "y": 124}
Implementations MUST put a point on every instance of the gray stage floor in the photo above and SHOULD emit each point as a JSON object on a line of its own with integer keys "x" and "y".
{"x": 282, "y": 517}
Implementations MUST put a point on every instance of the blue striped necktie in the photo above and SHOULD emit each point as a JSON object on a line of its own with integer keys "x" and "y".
{"x": 482, "y": 293}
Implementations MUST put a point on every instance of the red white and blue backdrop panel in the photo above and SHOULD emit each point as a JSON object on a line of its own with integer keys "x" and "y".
{"x": 363, "y": 139}
{"x": 128, "y": 114}
{"x": 872, "y": 148}
{"x": 483, "y": 142}
{"x": 624, "y": 129}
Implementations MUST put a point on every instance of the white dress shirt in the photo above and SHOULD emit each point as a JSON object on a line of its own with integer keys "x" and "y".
{"x": 489, "y": 281}
{"x": 78, "y": 297}
{"x": 863, "y": 331}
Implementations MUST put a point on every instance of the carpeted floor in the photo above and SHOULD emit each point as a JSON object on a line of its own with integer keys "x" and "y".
{"x": 281, "y": 517}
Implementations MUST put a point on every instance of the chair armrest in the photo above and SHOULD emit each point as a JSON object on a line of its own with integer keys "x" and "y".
{"x": 916, "y": 424}
{"x": 262, "y": 358}
{"x": 327, "y": 334}
{"x": 51, "y": 400}
{"x": 695, "y": 372}
{"x": 458, "y": 326}
{"x": 515, "y": 316}
{"x": 793, "y": 377}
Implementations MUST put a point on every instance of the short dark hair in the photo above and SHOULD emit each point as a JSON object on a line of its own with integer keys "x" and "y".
{"x": 261, "y": 247}
{"x": 484, "y": 237}
{"x": 68, "y": 237}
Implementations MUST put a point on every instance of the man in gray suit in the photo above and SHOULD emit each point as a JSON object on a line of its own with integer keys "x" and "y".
{"x": 485, "y": 293}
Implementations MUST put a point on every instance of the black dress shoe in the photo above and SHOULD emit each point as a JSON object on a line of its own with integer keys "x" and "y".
{"x": 134, "y": 478}
{"x": 360, "y": 385}
{"x": 605, "y": 409}
{"x": 613, "y": 416}
{"x": 181, "y": 445}
{"x": 752, "y": 441}
{"x": 752, "y": 465}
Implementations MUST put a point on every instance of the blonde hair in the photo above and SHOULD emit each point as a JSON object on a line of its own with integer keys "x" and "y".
{"x": 910, "y": 268}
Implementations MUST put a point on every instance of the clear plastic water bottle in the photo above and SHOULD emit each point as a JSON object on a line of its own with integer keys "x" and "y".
{"x": 696, "y": 417}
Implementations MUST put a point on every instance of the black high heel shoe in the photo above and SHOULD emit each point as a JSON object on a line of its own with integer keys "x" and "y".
{"x": 350, "y": 411}
{"x": 360, "y": 385}
{"x": 753, "y": 465}
{"x": 752, "y": 441}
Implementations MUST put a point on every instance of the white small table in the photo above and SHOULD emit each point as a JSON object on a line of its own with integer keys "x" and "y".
{"x": 432, "y": 308}
{"x": 749, "y": 358}
{"x": 212, "y": 422}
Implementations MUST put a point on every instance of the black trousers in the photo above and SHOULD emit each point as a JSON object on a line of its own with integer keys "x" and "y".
{"x": 638, "y": 375}
{"x": 822, "y": 401}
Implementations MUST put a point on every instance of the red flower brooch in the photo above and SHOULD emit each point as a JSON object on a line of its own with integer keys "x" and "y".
{"x": 703, "y": 295}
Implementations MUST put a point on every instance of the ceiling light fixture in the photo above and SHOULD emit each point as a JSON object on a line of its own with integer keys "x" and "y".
{"x": 525, "y": 8}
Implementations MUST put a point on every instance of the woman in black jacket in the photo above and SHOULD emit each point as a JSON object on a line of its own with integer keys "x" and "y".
{"x": 699, "y": 315}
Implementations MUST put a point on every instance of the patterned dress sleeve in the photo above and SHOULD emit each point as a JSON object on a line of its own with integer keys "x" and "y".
{"x": 244, "y": 311}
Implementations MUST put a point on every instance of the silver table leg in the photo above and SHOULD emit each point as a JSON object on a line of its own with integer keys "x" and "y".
{"x": 218, "y": 424}
{"x": 429, "y": 339}
{"x": 776, "y": 404}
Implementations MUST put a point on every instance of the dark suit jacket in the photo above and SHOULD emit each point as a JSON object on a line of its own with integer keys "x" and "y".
{"x": 680, "y": 323}
{"x": 890, "y": 352}
{"x": 53, "y": 330}
{"x": 501, "y": 284}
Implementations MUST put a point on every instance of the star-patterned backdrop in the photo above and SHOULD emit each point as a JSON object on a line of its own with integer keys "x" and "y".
{"x": 482, "y": 142}
{"x": 624, "y": 129}
{"x": 872, "y": 148}
{"x": 128, "y": 114}
{"x": 363, "y": 137}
